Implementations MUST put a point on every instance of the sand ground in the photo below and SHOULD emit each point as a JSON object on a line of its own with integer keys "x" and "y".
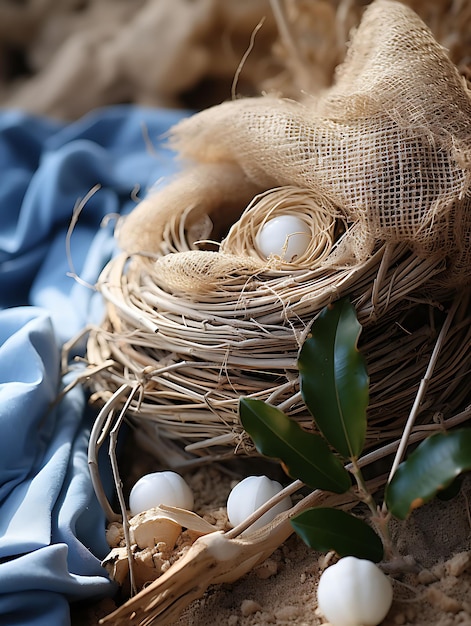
{"x": 282, "y": 591}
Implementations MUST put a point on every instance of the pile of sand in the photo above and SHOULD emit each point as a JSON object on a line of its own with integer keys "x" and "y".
{"x": 282, "y": 590}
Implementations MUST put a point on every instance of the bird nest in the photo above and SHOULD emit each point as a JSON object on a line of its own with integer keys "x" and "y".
{"x": 191, "y": 332}
{"x": 377, "y": 170}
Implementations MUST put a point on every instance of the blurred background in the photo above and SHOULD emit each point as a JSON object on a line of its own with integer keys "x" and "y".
{"x": 63, "y": 58}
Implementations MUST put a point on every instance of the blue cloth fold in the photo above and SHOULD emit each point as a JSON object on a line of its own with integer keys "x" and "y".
{"x": 51, "y": 527}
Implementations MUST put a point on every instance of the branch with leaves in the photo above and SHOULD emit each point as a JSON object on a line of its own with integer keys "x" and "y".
{"x": 335, "y": 388}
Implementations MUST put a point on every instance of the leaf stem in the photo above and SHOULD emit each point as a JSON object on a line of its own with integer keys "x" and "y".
{"x": 380, "y": 519}
{"x": 363, "y": 493}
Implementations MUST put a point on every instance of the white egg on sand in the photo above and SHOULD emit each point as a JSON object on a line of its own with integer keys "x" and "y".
{"x": 249, "y": 494}
{"x": 286, "y": 236}
{"x": 354, "y": 592}
{"x": 160, "y": 488}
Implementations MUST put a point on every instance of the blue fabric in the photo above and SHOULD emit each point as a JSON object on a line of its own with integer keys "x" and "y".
{"x": 51, "y": 526}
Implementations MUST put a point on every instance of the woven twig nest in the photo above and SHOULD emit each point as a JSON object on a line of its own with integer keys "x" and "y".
{"x": 199, "y": 329}
{"x": 379, "y": 170}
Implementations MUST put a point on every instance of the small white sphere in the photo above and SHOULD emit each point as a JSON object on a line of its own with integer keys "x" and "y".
{"x": 160, "y": 488}
{"x": 286, "y": 236}
{"x": 354, "y": 592}
{"x": 248, "y": 495}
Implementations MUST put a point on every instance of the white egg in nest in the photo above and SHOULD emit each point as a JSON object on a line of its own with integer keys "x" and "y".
{"x": 286, "y": 236}
{"x": 160, "y": 488}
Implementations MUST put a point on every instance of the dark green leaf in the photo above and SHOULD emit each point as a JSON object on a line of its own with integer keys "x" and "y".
{"x": 327, "y": 529}
{"x": 305, "y": 455}
{"x": 334, "y": 379}
{"x": 433, "y": 466}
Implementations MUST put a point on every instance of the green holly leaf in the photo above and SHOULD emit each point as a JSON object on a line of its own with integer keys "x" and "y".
{"x": 431, "y": 468}
{"x": 334, "y": 379}
{"x": 304, "y": 455}
{"x": 326, "y": 529}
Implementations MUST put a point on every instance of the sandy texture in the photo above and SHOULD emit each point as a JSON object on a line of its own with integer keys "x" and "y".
{"x": 282, "y": 591}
